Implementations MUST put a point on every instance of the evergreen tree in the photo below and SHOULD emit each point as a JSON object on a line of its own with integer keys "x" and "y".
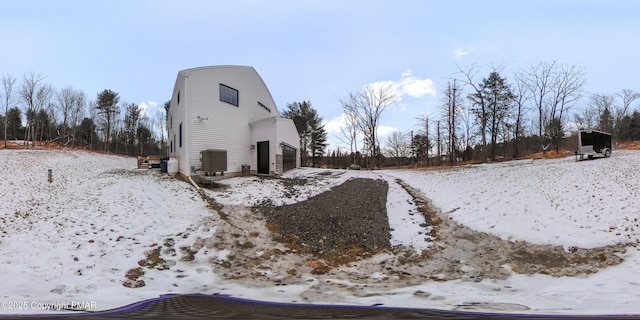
{"x": 497, "y": 98}
{"x": 14, "y": 124}
{"x": 313, "y": 136}
{"x": 87, "y": 132}
{"x": 420, "y": 148}
{"x": 606, "y": 121}
{"x": 131, "y": 120}
{"x": 107, "y": 105}
{"x": 317, "y": 141}
{"x": 555, "y": 131}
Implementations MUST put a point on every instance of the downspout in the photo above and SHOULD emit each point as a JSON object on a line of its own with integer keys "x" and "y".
{"x": 196, "y": 185}
{"x": 211, "y": 203}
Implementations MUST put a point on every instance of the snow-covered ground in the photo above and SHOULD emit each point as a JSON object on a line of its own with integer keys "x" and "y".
{"x": 73, "y": 240}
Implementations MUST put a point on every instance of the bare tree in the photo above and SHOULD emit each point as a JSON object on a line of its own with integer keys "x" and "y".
{"x": 28, "y": 95}
{"x": 554, "y": 88}
{"x": 65, "y": 102}
{"x": 539, "y": 80}
{"x": 349, "y": 133}
{"x": 397, "y": 146}
{"x": 8, "y": 82}
{"x": 468, "y": 128}
{"x": 43, "y": 109}
{"x": 160, "y": 127}
{"x": 627, "y": 96}
{"x": 479, "y": 103}
{"x": 32, "y": 95}
{"x": 367, "y": 107}
{"x": 76, "y": 115}
{"x": 587, "y": 119}
{"x": 451, "y": 105}
{"x": 519, "y": 110}
{"x": 566, "y": 89}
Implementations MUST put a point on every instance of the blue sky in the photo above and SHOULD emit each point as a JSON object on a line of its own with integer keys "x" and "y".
{"x": 316, "y": 50}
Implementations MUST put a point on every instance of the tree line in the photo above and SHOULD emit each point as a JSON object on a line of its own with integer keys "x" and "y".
{"x": 487, "y": 118}
{"x": 34, "y": 111}
{"x": 479, "y": 119}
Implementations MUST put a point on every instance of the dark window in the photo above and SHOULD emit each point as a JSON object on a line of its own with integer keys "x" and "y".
{"x": 180, "y": 134}
{"x": 228, "y": 95}
{"x": 178, "y": 97}
{"x": 265, "y": 107}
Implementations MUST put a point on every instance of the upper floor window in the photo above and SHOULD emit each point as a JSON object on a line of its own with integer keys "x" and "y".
{"x": 178, "y": 97}
{"x": 228, "y": 95}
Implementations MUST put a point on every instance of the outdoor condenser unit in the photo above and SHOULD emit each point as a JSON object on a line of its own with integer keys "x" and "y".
{"x": 213, "y": 160}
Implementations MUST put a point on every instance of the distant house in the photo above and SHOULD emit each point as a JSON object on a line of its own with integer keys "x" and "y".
{"x": 222, "y": 119}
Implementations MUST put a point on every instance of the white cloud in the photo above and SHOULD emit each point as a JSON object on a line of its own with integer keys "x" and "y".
{"x": 459, "y": 53}
{"x": 334, "y": 125}
{"x": 146, "y": 107}
{"x": 408, "y": 85}
{"x": 384, "y": 131}
{"x": 417, "y": 87}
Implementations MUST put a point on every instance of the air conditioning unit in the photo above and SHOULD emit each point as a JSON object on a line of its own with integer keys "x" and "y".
{"x": 213, "y": 161}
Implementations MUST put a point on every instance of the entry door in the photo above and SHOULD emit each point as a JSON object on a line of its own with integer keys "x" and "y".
{"x": 263, "y": 157}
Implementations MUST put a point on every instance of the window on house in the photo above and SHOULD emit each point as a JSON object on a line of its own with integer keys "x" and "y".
{"x": 263, "y": 106}
{"x": 178, "y": 97}
{"x": 180, "y": 134}
{"x": 228, "y": 95}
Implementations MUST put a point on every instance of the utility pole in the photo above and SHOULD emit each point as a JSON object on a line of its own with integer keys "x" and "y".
{"x": 439, "y": 154}
{"x": 426, "y": 133}
{"x": 453, "y": 123}
{"x": 413, "y": 149}
{"x": 449, "y": 123}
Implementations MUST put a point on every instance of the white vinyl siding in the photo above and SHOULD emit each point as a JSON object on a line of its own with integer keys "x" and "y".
{"x": 177, "y": 114}
{"x": 226, "y": 127}
{"x": 210, "y": 122}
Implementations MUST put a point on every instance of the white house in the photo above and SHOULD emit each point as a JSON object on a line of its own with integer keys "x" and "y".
{"x": 228, "y": 109}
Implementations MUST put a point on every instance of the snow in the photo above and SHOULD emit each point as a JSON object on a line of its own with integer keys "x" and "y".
{"x": 73, "y": 240}
{"x": 404, "y": 219}
{"x": 584, "y": 204}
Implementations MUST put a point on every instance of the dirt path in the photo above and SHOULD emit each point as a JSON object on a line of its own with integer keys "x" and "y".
{"x": 265, "y": 251}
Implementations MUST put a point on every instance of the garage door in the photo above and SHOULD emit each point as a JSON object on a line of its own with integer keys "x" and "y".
{"x": 288, "y": 158}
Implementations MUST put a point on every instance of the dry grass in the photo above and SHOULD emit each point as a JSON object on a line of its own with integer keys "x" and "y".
{"x": 133, "y": 278}
{"x": 629, "y": 145}
{"x": 40, "y": 145}
{"x": 548, "y": 155}
{"x": 153, "y": 260}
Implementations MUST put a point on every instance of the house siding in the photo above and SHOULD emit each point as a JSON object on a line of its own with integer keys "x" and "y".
{"x": 263, "y": 130}
{"x": 177, "y": 116}
{"x": 221, "y": 125}
{"x": 277, "y": 130}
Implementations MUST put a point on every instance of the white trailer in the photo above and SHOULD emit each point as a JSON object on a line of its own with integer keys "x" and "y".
{"x": 593, "y": 143}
